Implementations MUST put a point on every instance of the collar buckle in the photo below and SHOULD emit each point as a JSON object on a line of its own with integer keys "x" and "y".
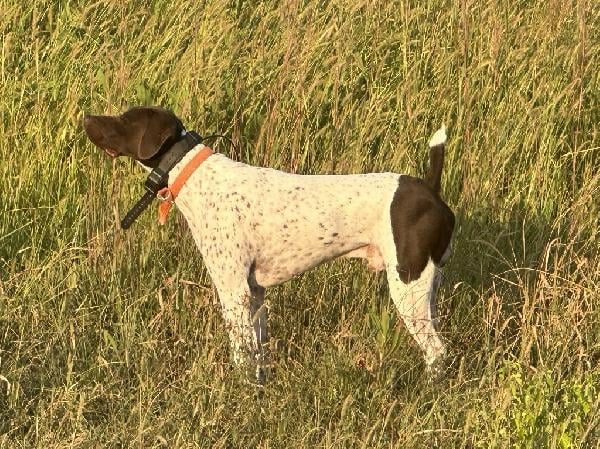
{"x": 165, "y": 194}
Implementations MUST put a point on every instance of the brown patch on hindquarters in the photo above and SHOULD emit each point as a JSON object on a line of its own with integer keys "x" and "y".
{"x": 422, "y": 225}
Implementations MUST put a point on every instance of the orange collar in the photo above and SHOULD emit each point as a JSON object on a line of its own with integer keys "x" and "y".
{"x": 167, "y": 195}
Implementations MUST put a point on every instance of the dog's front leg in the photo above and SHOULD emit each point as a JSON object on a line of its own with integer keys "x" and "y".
{"x": 246, "y": 326}
{"x": 237, "y": 313}
{"x": 260, "y": 313}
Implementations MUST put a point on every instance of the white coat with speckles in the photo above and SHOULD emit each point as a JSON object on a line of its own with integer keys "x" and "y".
{"x": 258, "y": 227}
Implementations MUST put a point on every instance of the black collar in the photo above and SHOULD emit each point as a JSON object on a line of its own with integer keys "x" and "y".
{"x": 159, "y": 177}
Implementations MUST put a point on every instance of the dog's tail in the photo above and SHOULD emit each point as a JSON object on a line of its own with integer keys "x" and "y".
{"x": 437, "y": 145}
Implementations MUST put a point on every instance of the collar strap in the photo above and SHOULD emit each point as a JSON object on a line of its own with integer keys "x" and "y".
{"x": 159, "y": 177}
{"x": 168, "y": 194}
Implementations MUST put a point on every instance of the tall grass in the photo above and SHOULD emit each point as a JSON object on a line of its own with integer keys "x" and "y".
{"x": 114, "y": 339}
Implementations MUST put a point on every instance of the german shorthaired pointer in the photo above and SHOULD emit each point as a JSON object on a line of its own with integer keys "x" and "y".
{"x": 258, "y": 227}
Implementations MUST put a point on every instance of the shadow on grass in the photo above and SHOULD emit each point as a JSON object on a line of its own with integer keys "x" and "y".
{"x": 494, "y": 264}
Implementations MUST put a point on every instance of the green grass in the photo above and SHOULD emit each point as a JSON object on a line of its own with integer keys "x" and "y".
{"x": 114, "y": 339}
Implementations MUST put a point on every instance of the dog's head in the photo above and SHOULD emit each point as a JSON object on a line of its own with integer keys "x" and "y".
{"x": 142, "y": 133}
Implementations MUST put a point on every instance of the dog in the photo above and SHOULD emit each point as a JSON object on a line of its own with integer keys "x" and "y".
{"x": 259, "y": 227}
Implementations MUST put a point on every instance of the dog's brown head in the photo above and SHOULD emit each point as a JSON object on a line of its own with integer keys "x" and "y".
{"x": 141, "y": 133}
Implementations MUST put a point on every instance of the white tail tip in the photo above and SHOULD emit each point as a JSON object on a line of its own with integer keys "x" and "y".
{"x": 439, "y": 138}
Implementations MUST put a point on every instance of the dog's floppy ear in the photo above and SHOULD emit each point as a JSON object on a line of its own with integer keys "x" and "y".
{"x": 139, "y": 133}
{"x": 151, "y": 128}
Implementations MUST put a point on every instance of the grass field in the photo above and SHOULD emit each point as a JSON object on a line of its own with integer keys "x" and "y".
{"x": 114, "y": 339}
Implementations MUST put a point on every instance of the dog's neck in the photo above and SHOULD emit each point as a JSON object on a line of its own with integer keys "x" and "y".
{"x": 177, "y": 169}
{"x": 151, "y": 166}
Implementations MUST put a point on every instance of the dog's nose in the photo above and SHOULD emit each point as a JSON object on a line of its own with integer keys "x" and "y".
{"x": 90, "y": 125}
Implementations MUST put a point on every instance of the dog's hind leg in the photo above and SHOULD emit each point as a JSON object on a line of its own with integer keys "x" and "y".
{"x": 415, "y": 302}
{"x": 413, "y": 252}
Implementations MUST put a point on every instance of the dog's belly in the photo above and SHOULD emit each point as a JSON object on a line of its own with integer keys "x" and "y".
{"x": 278, "y": 267}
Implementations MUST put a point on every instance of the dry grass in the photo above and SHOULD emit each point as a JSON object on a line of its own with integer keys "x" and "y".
{"x": 114, "y": 339}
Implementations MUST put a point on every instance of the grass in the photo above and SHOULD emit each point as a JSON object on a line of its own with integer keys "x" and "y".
{"x": 114, "y": 339}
